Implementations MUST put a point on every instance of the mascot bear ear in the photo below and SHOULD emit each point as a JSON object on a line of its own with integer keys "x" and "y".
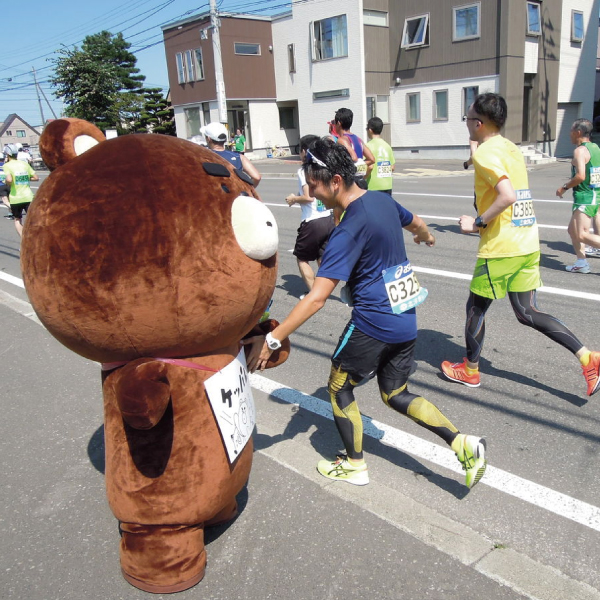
{"x": 64, "y": 139}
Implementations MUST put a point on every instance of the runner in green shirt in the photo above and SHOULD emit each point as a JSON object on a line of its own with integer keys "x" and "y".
{"x": 380, "y": 177}
{"x": 240, "y": 141}
{"x": 18, "y": 175}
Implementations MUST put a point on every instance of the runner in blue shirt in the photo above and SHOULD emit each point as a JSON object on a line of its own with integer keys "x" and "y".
{"x": 367, "y": 251}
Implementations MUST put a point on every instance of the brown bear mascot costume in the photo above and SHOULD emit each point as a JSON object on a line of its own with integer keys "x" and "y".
{"x": 154, "y": 257}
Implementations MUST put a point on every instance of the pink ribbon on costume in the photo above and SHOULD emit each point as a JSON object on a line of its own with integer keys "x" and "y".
{"x": 180, "y": 362}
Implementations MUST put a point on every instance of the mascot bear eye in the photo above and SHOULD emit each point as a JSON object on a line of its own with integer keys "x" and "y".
{"x": 254, "y": 227}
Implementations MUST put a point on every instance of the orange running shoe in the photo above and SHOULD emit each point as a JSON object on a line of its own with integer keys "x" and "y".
{"x": 592, "y": 373}
{"x": 457, "y": 372}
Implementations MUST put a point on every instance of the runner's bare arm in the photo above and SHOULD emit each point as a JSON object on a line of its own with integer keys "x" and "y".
{"x": 505, "y": 197}
{"x": 304, "y": 310}
{"x": 420, "y": 232}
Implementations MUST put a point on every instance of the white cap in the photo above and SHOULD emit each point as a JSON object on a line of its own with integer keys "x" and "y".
{"x": 215, "y": 131}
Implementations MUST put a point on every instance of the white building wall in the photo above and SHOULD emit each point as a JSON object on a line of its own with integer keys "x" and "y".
{"x": 433, "y": 139}
{"x": 337, "y": 73}
{"x": 577, "y": 71}
{"x": 264, "y": 119}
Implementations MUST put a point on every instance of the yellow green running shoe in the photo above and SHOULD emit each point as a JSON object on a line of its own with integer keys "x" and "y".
{"x": 341, "y": 470}
{"x": 471, "y": 455}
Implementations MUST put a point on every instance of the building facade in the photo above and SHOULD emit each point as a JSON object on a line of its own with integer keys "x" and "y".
{"x": 248, "y": 76}
{"x": 417, "y": 64}
{"x": 15, "y": 130}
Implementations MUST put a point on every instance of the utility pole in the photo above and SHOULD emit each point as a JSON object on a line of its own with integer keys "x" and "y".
{"x": 37, "y": 89}
{"x": 216, "y": 42}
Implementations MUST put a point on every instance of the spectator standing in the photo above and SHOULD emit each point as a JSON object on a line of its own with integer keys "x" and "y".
{"x": 239, "y": 141}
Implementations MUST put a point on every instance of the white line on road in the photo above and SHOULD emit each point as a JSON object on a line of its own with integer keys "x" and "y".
{"x": 544, "y": 288}
{"x": 471, "y": 197}
{"x": 538, "y": 495}
{"x": 12, "y": 279}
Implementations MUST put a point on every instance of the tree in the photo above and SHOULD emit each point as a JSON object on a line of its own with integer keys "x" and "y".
{"x": 156, "y": 115}
{"x": 99, "y": 82}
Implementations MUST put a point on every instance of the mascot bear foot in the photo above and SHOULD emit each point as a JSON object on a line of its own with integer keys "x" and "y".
{"x": 162, "y": 559}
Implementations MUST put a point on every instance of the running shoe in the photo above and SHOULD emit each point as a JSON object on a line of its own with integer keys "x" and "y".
{"x": 592, "y": 252}
{"x": 592, "y": 373}
{"x": 10, "y": 217}
{"x": 578, "y": 268}
{"x": 471, "y": 456}
{"x": 341, "y": 470}
{"x": 457, "y": 372}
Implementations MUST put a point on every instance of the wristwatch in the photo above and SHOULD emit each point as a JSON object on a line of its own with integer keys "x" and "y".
{"x": 479, "y": 223}
{"x": 272, "y": 343}
{"x": 465, "y": 165}
{"x": 565, "y": 188}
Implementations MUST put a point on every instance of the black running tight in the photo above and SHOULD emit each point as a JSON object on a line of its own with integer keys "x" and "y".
{"x": 527, "y": 313}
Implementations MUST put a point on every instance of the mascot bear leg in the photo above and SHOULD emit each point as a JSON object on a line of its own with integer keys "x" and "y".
{"x": 156, "y": 553}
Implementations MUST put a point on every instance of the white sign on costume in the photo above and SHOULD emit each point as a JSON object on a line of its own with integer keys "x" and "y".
{"x": 230, "y": 397}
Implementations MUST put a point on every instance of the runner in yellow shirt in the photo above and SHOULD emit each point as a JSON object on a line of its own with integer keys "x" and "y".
{"x": 508, "y": 259}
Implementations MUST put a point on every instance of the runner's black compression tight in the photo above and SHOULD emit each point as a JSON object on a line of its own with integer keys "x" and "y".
{"x": 526, "y": 311}
{"x": 395, "y": 394}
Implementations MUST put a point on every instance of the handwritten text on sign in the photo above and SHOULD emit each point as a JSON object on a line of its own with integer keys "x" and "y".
{"x": 232, "y": 403}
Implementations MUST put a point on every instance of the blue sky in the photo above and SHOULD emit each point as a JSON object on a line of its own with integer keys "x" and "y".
{"x": 46, "y": 25}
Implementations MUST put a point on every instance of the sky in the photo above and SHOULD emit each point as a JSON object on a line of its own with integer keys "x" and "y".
{"x": 47, "y": 25}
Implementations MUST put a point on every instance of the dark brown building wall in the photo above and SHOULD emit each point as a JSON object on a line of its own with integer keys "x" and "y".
{"x": 246, "y": 77}
{"x": 188, "y": 38}
{"x": 443, "y": 59}
{"x": 377, "y": 51}
{"x": 543, "y": 97}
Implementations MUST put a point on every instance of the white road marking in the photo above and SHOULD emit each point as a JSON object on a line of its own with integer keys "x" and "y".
{"x": 12, "y": 279}
{"x": 528, "y": 491}
{"x": 471, "y": 197}
{"x": 544, "y": 288}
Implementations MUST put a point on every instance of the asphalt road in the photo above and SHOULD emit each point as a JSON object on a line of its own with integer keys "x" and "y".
{"x": 529, "y": 529}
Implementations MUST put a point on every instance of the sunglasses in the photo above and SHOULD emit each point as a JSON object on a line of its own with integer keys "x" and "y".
{"x": 311, "y": 158}
{"x": 465, "y": 119}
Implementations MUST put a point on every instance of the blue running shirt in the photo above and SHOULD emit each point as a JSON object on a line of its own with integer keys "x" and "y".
{"x": 368, "y": 240}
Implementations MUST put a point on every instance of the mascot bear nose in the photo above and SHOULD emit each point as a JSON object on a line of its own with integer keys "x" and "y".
{"x": 254, "y": 227}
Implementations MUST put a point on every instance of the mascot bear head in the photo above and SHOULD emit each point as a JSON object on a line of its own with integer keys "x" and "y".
{"x": 145, "y": 245}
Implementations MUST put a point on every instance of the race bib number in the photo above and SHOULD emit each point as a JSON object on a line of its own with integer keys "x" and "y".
{"x": 402, "y": 287}
{"x": 522, "y": 210}
{"x": 230, "y": 397}
{"x": 21, "y": 179}
{"x": 361, "y": 167}
{"x": 384, "y": 169}
{"x": 594, "y": 177}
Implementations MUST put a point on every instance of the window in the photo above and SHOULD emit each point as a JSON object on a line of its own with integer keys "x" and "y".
{"x": 382, "y": 108}
{"x": 330, "y": 38}
{"x": 20, "y": 133}
{"x": 371, "y": 107}
{"x": 576, "y": 26}
{"x": 465, "y": 22}
{"x": 413, "y": 108}
{"x": 331, "y": 94}
{"x": 469, "y": 95}
{"x": 376, "y": 18}
{"x": 190, "y": 65}
{"x": 199, "y": 66}
{"x": 180, "y": 68}
{"x": 291, "y": 58}
{"x": 192, "y": 121}
{"x": 206, "y": 112}
{"x": 534, "y": 25}
{"x": 286, "y": 117}
{"x": 440, "y": 105}
{"x": 416, "y": 32}
{"x": 249, "y": 49}
{"x": 9, "y": 132}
